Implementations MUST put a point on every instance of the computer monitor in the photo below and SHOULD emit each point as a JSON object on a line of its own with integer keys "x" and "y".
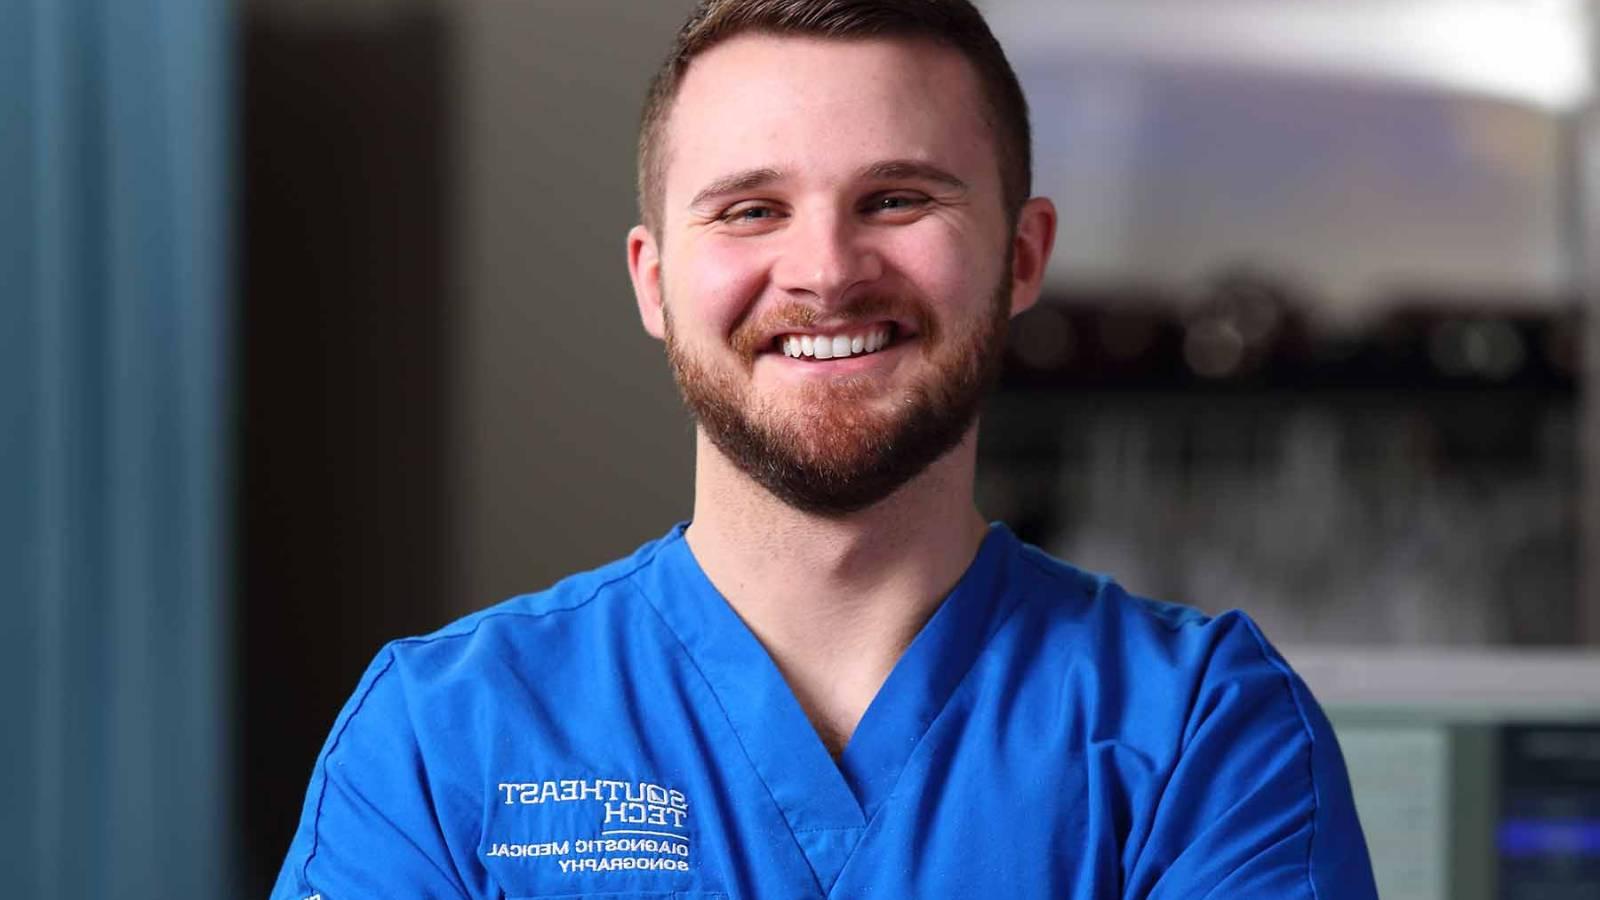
{"x": 1476, "y": 772}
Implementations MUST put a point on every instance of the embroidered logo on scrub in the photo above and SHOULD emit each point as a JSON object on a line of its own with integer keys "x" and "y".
{"x": 640, "y": 826}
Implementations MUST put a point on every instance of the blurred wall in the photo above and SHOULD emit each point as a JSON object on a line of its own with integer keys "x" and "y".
{"x": 573, "y": 447}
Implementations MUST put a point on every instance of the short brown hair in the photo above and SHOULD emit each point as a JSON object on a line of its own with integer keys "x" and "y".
{"x": 954, "y": 23}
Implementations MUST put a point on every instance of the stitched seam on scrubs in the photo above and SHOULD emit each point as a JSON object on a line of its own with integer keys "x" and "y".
{"x": 1092, "y": 591}
{"x": 322, "y": 793}
{"x": 717, "y": 699}
{"x": 738, "y": 738}
{"x": 1311, "y": 743}
{"x": 496, "y": 613}
{"x": 944, "y": 709}
{"x": 1174, "y": 617}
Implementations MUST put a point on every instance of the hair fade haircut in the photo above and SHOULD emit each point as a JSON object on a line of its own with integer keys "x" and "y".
{"x": 954, "y": 23}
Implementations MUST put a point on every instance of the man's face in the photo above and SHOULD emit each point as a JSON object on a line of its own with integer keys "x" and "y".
{"x": 820, "y": 199}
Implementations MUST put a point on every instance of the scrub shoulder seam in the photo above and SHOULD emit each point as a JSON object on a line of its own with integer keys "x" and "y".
{"x": 470, "y": 625}
{"x": 1071, "y": 577}
{"x": 1173, "y": 616}
{"x": 463, "y": 629}
{"x": 333, "y": 747}
{"x": 1288, "y": 678}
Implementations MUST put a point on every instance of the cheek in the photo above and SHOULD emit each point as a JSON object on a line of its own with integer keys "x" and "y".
{"x": 715, "y": 285}
{"x": 954, "y": 276}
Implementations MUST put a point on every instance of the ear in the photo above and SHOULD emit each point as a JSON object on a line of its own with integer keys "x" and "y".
{"x": 644, "y": 268}
{"x": 1030, "y": 252}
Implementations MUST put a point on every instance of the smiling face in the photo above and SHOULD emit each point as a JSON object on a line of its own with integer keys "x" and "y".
{"x": 835, "y": 266}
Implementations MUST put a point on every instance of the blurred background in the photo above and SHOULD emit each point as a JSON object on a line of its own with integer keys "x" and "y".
{"x": 315, "y": 331}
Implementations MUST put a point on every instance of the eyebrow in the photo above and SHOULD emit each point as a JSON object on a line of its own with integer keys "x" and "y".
{"x": 889, "y": 170}
{"x": 912, "y": 170}
{"x": 735, "y": 183}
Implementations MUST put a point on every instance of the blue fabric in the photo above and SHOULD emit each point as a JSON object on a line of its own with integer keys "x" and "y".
{"x": 623, "y": 734}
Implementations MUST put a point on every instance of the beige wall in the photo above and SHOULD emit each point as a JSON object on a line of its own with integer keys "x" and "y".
{"x": 573, "y": 448}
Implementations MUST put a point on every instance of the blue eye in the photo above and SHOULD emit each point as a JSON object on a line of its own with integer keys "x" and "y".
{"x": 749, "y": 214}
{"x": 897, "y": 202}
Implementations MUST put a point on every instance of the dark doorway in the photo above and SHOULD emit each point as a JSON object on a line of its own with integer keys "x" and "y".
{"x": 345, "y": 336}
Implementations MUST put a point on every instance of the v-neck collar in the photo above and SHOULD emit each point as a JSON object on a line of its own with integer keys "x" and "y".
{"x": 922, "y": 680}
{"x": 826, "y": 804}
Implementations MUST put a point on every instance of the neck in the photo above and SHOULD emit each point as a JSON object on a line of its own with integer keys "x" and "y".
{"x": 836, "y": 600}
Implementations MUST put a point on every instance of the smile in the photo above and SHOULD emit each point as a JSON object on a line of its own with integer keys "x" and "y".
{"x": 835, "y": 346}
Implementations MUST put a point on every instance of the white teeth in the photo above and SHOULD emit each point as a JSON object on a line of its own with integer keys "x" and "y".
{"x": 837, "y": 347}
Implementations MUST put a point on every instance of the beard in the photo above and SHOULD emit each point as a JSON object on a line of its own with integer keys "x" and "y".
{"x": 832, "y": 448}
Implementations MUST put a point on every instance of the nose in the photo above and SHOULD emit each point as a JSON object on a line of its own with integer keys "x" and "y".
{"x": 824, "y": 257}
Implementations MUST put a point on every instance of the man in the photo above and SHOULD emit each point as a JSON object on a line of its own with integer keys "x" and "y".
{"x": 837, "y": 681}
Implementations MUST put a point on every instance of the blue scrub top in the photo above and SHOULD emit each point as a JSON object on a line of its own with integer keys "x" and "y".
{"x": 624, "y": 735}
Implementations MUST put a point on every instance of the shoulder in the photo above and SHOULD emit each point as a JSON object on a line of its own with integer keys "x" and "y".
{"x": 538, "y": 630}
{"x": 1249, "y": 791}
{"x": 420, "y": 731}
{"x": 1162, "y": 659}
{"x": 1121, "y": 624}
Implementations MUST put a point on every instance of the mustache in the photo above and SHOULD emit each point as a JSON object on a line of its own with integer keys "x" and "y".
{"x": 754, "y": 335}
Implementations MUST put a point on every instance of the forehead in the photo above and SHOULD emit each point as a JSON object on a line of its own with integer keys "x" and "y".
{"x": 818, "y": 108}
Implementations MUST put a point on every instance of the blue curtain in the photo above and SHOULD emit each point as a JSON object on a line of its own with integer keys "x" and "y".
{"x": 114, "y": 289}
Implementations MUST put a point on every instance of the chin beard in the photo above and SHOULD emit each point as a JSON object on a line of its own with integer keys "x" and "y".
{"x": 835, "y": 450}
